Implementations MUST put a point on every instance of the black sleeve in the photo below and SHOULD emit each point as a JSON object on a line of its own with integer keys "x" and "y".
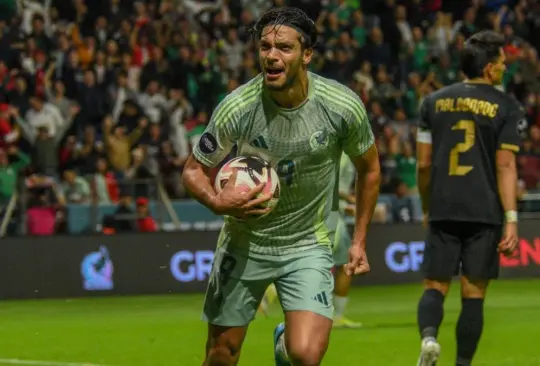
{"x": 513, "y": 127}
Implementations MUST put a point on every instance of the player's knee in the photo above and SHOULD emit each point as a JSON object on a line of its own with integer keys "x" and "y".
{"x": 222, "y": 355}
{"x": 306, "y": 353}
{"x": 473, "y": 289}
{"x": 441, "y": 286}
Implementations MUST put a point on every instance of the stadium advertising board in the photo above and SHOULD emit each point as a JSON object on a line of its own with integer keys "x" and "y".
{"x": 181, "y": 262}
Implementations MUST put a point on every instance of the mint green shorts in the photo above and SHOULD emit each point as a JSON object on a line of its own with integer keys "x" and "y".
{"x": 342, "y": 243}
{"x": 238, "y": 282}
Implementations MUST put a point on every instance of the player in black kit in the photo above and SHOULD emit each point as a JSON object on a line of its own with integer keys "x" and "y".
{"x": 468, "y": 135}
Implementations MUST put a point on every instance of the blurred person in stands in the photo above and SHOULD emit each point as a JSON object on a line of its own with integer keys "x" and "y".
{"x": 67, "y": 153}
{"x": 18, "y": 94}
{"x": 44, "y": 144}
{"x": 119, "y": 93}
{"x": 528, "y": 166}
{"x": 152, "y": 97}
{"x": 8, "y": 135}
{"x": 145, "y": 221}
{"x": 157, "y": 69}
{"x": 44, "y": 114}
{"x": 118, "y": 145}
{"x": 405, "y": 159}
{"x": 402, "y": 205}
{"x": 55, "y": 93}
{"x": 104, "y": 184}
{"x": 9, "y": 171}
{"x": 384, "y": 91}
{"x": 41, "y": 215}
{"x": 124, "y": 217}
{"x": 88, "y": 151}
{"x": 91, "y": 99}
{"x": 74, "y": 189}
{"x": 152, "y": 145}
{"x": 171, "y": 166}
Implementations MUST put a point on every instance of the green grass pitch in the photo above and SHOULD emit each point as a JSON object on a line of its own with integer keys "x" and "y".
{"x": 166, "y": 330}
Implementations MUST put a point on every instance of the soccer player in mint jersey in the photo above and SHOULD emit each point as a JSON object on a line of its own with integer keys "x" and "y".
{"x": 300, "y": 123}
{"x": 342, "y": 243}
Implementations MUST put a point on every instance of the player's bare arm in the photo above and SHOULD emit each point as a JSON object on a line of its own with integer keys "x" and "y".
{"x": 423, "y": 159}
{"x": 368, "y": 178}
{"x": 230, "y": 201}
{"x": 423, "y": 167}
{"x": 509, "y": 141}
{"x": 507, "y": 183}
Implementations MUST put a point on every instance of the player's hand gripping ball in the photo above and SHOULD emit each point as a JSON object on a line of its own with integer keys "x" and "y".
{"x": 251, "y": 171}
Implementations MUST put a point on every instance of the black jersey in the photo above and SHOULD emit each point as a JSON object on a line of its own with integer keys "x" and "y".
{"x": 467, "y": 123}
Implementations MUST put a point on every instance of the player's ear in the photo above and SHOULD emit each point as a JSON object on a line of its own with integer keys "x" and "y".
{"x": 308, "y": 54}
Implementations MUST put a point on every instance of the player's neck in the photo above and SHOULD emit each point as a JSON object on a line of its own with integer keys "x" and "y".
{"x": 479, "y": 81}
{"x": 293, "y": 96}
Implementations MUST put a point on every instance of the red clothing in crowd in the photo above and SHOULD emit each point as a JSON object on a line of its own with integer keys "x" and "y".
{"x": 147, "y": 225}
{"x": 112, "y": 187}
{"x": 41, "y": 221}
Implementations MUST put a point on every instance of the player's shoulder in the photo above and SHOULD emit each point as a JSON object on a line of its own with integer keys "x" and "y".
{"x": 481, "y": 91}
{"x": 337, "y": 97}
{"x": 240, "y": 101}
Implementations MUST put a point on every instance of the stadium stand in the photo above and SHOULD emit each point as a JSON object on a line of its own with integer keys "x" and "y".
{"x": 101, "y": 101}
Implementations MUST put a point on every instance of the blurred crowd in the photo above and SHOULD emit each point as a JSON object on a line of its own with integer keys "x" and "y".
{"x": 94, "y": 94}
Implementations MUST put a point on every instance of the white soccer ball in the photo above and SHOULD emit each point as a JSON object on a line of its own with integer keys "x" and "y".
{"x": 251, "y": 171}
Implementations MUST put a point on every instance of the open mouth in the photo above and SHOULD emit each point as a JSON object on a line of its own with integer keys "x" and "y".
{"x": 273, "y": 73}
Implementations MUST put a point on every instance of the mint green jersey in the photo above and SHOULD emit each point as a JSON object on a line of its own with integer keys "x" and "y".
{"x": 303, "y": 144}
{"x": 347, "y": 174}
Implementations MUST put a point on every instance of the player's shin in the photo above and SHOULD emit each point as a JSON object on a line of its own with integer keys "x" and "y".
{"x": 341, "y": 292}
{"x": 430, "y": 313}
{"x": 469, "y": 330}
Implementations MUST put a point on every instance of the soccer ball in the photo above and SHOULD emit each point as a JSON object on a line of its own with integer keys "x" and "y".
{"x": 251, "y": 171}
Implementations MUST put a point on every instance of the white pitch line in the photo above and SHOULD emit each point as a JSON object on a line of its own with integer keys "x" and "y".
{"x": 15, "y": 361}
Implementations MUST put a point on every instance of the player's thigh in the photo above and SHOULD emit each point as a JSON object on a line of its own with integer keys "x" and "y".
{"x": 480, "y": 257}
{"x": 342, "y": 243}
{"x": 306, "y": 282}
{"x": 442, "y": 251}
{"x": 235, "y": 289}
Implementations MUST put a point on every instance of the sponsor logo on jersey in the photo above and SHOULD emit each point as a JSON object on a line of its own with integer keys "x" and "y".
{"x": 522, "y": 127}
{"x": 207, "y": 143}
{"x": 319, "y": 140}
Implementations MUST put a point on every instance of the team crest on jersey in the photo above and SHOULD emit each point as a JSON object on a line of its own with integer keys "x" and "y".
{"x": 319, "y": 140}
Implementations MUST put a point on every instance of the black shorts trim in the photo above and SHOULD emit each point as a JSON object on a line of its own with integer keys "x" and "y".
{"x": 469, "y": 249}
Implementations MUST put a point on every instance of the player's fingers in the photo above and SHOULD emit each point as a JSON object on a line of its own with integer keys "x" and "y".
{"x": 349, "y": 269}
{"x": 256, "y": 190}
{"x": 503, "y": 244}
{"x": 252, "y": 203}
{"x": 258, "y": 211}
{"x": 232, "y": 177}
{"x": 362, "y": 269}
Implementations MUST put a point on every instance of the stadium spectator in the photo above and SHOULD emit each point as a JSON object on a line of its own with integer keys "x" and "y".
{"x": 123, "y": 219}
{"x": 145, "y": 222}
{"x": 74, "y": 189}
{"x": 41, "y": 216}
{"x": 9, "y": 171}
{"x": 118, "y": 145}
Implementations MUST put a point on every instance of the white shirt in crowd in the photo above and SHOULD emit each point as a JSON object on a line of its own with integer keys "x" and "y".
{"x": 49, "y": 116}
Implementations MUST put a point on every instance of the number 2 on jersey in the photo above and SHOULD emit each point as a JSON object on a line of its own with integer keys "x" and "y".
{"x": 285, "y": 170}
{"x": 467, "y": 126}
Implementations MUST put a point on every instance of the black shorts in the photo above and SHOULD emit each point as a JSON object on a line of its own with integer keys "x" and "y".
{"x": 469, "y": 249}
